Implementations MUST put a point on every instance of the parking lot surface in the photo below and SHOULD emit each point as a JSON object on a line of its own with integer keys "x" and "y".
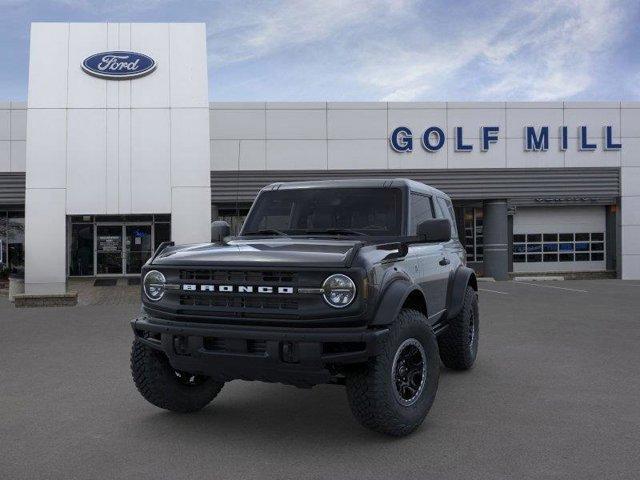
{"x": 555, "y": 393}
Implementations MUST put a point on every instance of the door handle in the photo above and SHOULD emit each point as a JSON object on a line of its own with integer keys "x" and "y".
{"x": 444, "y": 261}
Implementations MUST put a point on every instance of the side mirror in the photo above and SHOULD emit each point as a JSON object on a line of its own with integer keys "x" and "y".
{"x": 435, "y": 230}
{"x": 219, "y": 230}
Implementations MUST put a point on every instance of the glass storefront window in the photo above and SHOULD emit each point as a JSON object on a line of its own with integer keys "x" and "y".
{"x": 563, "y": 247}
{"x": 4, "y": 265}
{"x": 81, "y": 252}
{"x": 103, "y": 246}
{"x": 162, "y": 234}
{"x": 235, "y": 217}
{"x": 473, "y": 238}
{"x": 15, "y": 242}
{"x": 82, "y": 219}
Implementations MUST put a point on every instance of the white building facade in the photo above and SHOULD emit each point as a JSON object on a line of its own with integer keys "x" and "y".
{"x": 99, "y": 170}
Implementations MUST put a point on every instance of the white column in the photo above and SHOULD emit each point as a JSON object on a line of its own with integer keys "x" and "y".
{"x": 190, "y": 157}
{"x": 45, "y": 241}
{"x": 191, "y": 215}
{"x": 630, "y": 224}
{"x": 46, "y": 163}
{"x": 630, "y": 191}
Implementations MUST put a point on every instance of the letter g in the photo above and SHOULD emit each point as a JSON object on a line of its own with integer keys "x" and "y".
{"x": 401, "y": 139}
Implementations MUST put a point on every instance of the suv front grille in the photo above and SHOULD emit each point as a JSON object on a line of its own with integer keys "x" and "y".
{"x": 235, "y": 305}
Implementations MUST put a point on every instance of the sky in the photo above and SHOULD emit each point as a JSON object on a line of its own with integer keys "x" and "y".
{"x": 377, "y": 50}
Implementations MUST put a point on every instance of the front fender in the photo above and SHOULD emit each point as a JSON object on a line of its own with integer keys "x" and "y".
{"x": 393, "y": 298}
{"x": 458, "y": 282}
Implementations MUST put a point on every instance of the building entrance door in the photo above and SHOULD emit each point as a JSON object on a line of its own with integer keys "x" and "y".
{"x": 122, "y": 249}
{"x": 108, "y": 256}
{"x": 138, "y": 247}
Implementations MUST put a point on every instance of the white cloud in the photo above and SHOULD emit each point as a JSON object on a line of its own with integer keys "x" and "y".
{"x": 104, "y": 7}
{"x": 402, "y": 49}
{"x": 545, "y": 51}
{"x": 569, "y": 50}
{"x": 248, "y": 33}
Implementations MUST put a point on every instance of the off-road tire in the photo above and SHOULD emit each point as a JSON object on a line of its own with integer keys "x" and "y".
{"x": 160, "y": 385}
{"x": 459, "y": 343}
{"x": 370, "y": 387}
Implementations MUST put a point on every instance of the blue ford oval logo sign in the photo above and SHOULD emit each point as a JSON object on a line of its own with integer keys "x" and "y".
{"x": 118, "y": 65}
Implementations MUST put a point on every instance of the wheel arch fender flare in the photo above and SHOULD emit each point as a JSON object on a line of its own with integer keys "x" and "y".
{"x": 458, "y": 281}
{"x": 393, "y": 299}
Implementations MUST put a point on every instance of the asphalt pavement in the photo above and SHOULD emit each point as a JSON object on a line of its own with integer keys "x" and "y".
{"x": 555, "y": 394}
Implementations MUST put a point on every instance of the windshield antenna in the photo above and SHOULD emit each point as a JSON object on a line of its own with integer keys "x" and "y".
{"x": 238, "y": 186}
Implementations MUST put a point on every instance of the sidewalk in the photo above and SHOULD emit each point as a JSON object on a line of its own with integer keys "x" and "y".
{"x": 120, "y": 294}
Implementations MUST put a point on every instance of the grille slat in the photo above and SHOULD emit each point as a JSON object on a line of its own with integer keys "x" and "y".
{"x": 257, "y": 347}
{"x": 238, "y": 301}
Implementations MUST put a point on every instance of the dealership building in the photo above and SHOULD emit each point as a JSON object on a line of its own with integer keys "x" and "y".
{"x": 118, "y": 148}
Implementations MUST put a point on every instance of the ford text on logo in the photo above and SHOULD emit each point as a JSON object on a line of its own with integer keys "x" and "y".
{"x": 535, "y": 139}
{"x": 190, "y": 287}
{"x": 118, "y": 65}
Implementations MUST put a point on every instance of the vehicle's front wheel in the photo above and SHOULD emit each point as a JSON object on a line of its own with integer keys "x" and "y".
{"x": 163, "y": 386}
{"x": 393, "y": 392}
{"x": 459, "y": 343}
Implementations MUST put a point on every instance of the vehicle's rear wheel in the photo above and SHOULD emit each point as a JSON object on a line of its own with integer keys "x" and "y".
{"x": 163, "y": 386}
{"x": 393, "y": 392}
{"x": 459, "y": 343}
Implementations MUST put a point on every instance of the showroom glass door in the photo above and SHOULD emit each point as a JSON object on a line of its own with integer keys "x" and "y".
{"x": 109, "y": 254}
{"x": 138, "y": 247}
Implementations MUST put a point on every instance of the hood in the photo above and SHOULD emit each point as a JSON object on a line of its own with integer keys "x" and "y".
{"x": 284, "y": 252}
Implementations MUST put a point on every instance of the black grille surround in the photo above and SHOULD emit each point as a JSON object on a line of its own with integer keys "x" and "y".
{"x": 242, "y": 308}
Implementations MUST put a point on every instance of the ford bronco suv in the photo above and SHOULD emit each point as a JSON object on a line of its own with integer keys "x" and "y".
{"x": 360, "y": 283}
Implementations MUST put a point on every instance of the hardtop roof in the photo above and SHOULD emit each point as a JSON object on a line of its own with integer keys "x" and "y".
{"x": 358, "y": 183}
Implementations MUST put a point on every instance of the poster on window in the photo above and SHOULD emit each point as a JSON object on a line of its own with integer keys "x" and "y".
{"x": 109, "y": 243}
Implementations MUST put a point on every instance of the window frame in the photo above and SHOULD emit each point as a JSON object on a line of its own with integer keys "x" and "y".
{"x": 449, "y": 213}
{"x": 413, "y": 228}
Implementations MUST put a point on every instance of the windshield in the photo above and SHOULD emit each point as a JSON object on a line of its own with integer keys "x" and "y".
{"x": 339, "y": 211}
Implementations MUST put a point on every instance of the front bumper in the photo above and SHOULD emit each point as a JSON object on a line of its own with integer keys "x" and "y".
{"x": 297, "y": 356}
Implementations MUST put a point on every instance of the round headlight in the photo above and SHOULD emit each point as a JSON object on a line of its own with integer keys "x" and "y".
{"x": 153, "y": 285}
{"x": 338, "y": 290}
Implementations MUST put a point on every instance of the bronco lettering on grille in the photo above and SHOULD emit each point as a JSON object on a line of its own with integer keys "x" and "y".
{"x": 191, "y": 287}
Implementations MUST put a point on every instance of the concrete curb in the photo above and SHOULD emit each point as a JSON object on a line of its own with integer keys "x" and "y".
{"x": 538, "y": 279}
{"x": 69, "y": 299}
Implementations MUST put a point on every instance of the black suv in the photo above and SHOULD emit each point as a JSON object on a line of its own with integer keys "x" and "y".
{"x": 360, "y": 283}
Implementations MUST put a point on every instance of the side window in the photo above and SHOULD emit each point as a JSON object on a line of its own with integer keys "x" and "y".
{"x": 421, "y": 209}
{"x": 446, "y": 208}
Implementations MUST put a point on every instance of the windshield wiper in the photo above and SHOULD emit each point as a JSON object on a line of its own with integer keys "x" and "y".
{"x": 269, "y": 231}
{"x": 335, "y": 231}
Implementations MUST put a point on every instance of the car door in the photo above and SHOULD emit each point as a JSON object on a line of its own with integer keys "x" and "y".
{"x": 453, "y": 249}
{"x": 424, "y": 260}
